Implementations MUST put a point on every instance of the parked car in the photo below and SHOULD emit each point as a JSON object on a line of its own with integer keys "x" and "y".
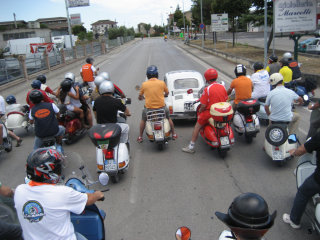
{"x": 302, "y": 46}
{"x": 179, "y": 101}
{"x": 314, "y": 47}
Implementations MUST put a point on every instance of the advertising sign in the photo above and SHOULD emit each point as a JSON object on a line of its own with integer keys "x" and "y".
{"x": 295, "y": 15}
{"x": 78, "y": 3}
{"x": 219, "y": 22}
{"x": 75, "y": 19}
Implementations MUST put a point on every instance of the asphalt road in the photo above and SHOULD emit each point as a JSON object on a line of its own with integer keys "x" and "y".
{"x": 164, "y": 190}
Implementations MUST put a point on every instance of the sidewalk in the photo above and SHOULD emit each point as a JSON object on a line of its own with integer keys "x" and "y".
{"x": 55, "y": 77}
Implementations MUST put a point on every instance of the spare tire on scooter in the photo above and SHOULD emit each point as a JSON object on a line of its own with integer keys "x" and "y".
{"x": 276, "y": 134}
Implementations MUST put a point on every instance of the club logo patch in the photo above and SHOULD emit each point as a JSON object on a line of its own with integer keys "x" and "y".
{"x": 33, "y": 211}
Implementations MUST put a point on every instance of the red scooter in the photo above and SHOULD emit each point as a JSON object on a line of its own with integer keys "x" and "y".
{"x": 218, "y": 132}
{"x": 72, "y": 124}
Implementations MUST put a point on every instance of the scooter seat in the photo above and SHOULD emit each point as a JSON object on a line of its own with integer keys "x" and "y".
{"x": 262, "y": 99}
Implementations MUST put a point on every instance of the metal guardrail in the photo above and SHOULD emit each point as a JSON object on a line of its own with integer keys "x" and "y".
{"x": 11, "y": 69}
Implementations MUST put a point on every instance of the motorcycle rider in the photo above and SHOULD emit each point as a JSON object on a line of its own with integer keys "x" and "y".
{"x": 280, "y": 100}
{"x": 43, "y": 79}
{"x": 117, "y": 90}
{"x": 70, "y": 97}
{"x": 293, "y": 65}
{"x": 214, "y": 93}
{"x": 286, "y": 72}
{"x": 8, "y": 230}
{"x": 83, "y": 98}
{"x": 36, "y": 84}
{"x": 95, "y": 93}
{"x": 106, "y": 108}
{"x": 88, "y": 73}
{"x": 260, "y": 81}
{"x": 154, "y": 91}
{"x": 248, "y": 218}
{"x": 242, "y": 85}
{"x": 43, "y": 207}
{"x": 43, "y": 115}
{"x": 273, "y": 65}
{"x": 309, "y": 188}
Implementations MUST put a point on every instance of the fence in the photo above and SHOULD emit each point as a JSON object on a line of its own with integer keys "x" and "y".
{"x": 25, "y": 65}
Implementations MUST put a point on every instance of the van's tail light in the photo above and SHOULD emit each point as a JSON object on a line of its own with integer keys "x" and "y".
{"x": 108, "y": 153}
{"x": 171, "y": 109}
{"x": 157, "y": 126}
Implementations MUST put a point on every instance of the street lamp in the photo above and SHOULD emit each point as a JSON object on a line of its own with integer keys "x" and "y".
{"x": 173, "y": 19}
{"x": 202, "y": 39}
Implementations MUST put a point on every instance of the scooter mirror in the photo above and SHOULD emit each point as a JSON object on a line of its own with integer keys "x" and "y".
{"x": 183, "y": 233}
{"x": 128, "y": 101}
{"x": 305, "y": 97}
{"x": 223, "y": 83}
{"x": 189, "y": 91}
{"x": 104, "y": 178}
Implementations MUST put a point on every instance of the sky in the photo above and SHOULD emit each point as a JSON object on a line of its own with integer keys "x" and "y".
{"x": 127, "y": 13}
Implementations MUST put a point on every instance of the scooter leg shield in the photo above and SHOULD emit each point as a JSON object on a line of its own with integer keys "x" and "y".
{"x": 238, "y": 121}
{"x": 167, "y": 128}
{"x": 210, "y": 134}
{"x": 73, "y": 126}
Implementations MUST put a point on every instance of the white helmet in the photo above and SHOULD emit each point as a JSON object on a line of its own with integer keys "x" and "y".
{"x": 70, "y": 76}
{"x": 276, "y": 78}
{"x": 105, "y": 75}
{"x": 106, "y": 87}
{"x": 98, "y": 80}
{"x": 287, "y": 55}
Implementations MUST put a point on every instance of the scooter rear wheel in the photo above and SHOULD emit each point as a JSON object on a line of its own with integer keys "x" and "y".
{"x": 160, "y": 146}
{"x": 222, "y": 153}
{"x": 115, "y": 178}
{"x": 8, "y": 144}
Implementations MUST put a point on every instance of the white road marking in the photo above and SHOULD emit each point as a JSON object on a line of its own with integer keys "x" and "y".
{"x": 135, "y": 174}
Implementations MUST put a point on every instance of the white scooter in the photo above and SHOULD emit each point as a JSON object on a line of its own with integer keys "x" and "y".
{"x": 158, "y": 128}
{"x": 262, "y": 115}
{"x": 278, "y": 142}
{"x": 307, "y": 164}
{"x": 7, "y": 142}
{"x": 18, "y": 119}
{"x": 112, "y": 156}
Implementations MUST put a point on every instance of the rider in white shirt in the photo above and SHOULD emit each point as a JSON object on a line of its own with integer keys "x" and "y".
{"x": 260, "y": 81}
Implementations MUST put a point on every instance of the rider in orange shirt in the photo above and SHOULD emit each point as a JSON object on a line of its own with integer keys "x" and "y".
{"x": 88, "y": 72}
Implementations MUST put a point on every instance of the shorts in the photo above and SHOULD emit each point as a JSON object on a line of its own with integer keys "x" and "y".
{"x": 203, "y": 117}
{"x": 144, "y": 112}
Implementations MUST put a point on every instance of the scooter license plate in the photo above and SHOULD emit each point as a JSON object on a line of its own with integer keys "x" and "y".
{"x": 277, "y": 155}
{"x": 158, "y": 135}
{"x": 250, "y": 127}
{"x": 188, "y": 106}
{"x": 224, "y": 141}
{"x": 110, "y": 165}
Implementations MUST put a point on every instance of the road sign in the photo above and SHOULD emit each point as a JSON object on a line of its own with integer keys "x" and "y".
{"x": 78, "y": 3}
{"x": 219, "y": 22}
{"x": 292, "y": 16}
{"x": 201, "y": 26}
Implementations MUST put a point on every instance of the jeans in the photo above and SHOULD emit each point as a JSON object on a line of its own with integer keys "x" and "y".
{"x": 38, "y": 142}
{"x": 10, "y": 231}
{"x": 307, "y": 190}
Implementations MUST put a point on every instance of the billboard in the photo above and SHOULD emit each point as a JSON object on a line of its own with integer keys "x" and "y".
{"x": 295, "y": 15}
{"x": 78, "y": 3}
{"x": 219, "y": 22}
{"x": 75, "y": 19}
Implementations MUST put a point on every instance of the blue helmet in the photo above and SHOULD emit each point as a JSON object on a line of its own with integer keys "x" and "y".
{"x": 152, "y": 72}
{"x": 11, "y": 99}
{"x": 36, "y": 84}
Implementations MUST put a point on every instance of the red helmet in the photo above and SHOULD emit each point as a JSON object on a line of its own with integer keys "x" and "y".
{"x": 211, "y": 74}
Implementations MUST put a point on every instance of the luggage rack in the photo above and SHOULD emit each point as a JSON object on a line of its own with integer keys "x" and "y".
{"x": 155, "y": 115}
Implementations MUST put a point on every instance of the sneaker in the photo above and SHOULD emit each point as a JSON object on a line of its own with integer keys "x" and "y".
{"x": 286, "y": 219}
{"x": 188, "y": 150}
{"x": 19, "y": 142}
{"x": 139, "y": 139}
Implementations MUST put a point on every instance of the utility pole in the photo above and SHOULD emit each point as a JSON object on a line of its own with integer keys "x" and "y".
{"x": 69, "y": 24}
{"x": 202, "y": 39}
{"x": 184, "y": 22}
{"x": 15, "y": 21}
{"x": 265, "y": 34}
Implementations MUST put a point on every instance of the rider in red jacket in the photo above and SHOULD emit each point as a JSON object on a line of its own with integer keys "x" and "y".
{"x": 213, "y": 93}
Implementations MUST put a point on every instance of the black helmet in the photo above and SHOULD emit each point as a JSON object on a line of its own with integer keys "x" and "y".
{"x": 36, "y": 84}
{"x": 44, "y": 165}
{"x": 89, "y": 60}
{"x": 11, "y": 99}
{"x": 35, "y": 96}
{"x": 152, "y": 72}
{"x": 257, "y": 66}
{"x": 273, "y": 58}
{"x": 240, "y": 70}
{"x": 42, "y": 78}
{"x": 248, "y": 216}
{"x": 284, "y": 61}
{"x": 66, "y": 85}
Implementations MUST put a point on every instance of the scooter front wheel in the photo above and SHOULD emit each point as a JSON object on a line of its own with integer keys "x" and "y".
{"x": 248, "y": 139}
{"x": 160, "y": 146}
{"x": 222, "y": 153}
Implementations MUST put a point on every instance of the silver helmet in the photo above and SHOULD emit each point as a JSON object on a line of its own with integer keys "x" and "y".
{"x": 70, "y": 76}
{"x": 98, "y": 80}
{"x": 287, "y": 55}
{"x": 105, "y": 75}
{"x": 106, "y": 87}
